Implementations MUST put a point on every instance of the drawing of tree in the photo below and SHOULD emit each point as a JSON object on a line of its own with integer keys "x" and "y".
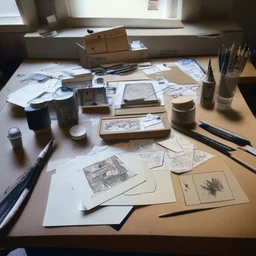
{"x": 213, "y": 186}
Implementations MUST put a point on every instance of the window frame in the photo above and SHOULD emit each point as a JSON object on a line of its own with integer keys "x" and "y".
{"x": 64, "y": 14}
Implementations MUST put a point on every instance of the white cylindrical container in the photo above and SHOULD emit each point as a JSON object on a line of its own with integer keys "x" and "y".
{"x": 183, "y": 111}
{"x": 14, "y": 135}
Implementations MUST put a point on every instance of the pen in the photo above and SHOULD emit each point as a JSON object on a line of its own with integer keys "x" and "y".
{"x": 239, "y": 140}
{"x": 18, "y": 193}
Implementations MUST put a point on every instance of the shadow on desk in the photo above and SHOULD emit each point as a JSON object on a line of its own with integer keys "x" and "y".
{"x": 73, "y": 252}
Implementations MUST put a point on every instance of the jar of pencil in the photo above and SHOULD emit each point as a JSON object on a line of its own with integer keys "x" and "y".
{"x": 231, "y": 63}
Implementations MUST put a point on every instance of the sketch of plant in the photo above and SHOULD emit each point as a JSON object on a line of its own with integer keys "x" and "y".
{"x": 187, "y": 188}
{"x": 213, "y": 186}
{"x": 115, "y": 125}
{"x": 106, "y": 174}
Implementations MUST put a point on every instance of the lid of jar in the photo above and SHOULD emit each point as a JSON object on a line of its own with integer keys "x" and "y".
{"x": 14, "y": 132}
{"x": 63, "y": 93}
{"x": 37, "y": 103}
{"x": 78, "y": 132}
{"x": 183, "y": 103}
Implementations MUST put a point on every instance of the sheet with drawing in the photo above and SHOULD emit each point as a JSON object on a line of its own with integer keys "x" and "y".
{"x": 114, "y": 173}
{"x": 62, "y": 197}
{"x": 204, "y": 188}
{"x": 153, "y": 159}
{"x": 142, "y": 145}
{"x": 164, "y": 193}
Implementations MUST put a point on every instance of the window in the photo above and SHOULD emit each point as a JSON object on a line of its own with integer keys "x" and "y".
{"x": 9, "y": 12}
{"x": 131, "y": 13}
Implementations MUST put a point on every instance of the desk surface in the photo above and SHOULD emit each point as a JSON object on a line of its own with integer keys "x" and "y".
{"x": 217, "y": 231}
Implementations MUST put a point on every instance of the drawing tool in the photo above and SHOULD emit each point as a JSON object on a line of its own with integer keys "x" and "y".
{"x": 225, "y": 62}
{"x": 202, "y": 138}
{"x": 219, "y": 58}
{"x": 214, "y": 144}
{"x": 18, "y": 193}
{"x": 232, "y": 57}
{"x": 173, "y": 214}
{"x": 249, "y": 149}
{"x": 225, "y": 134}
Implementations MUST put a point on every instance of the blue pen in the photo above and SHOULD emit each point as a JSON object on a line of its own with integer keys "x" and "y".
{"x": 239, "y": 140}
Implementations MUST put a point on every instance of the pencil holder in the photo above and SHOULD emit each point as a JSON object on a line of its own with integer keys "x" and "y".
{"x": 226, "y": 90}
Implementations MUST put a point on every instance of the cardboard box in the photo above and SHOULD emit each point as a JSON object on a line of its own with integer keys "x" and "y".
{"x": 95, "y": 60}
{"x": 112, "y": 40}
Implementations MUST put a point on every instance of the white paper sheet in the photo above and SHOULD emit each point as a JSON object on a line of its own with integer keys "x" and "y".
{"x": 116, "y": 148}
{"x": 201, "y": 157}
{"x": 52, "y": 165}
{"x": 153, "y": 159}
{"x": 142, "y": 145}
{"x": 96, "y": 187}
{"x": 171, "y": 144}
{"x": 164, "y": 193}
{"x": 70, "y": 164}
{"x": 62, "y": 198}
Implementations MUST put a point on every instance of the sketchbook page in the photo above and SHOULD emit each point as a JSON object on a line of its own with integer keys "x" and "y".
{"x": 149, "y": 186}
{"x": 183, "y": 162}
{"x": 52, "y": 165}
{"x": 106, "y": 176}
{"x": 142, "y": 145}
{"x": 164, "y": 193}
{"x": 22, "y": 96}
{"x": 62, "y": 198}
{"x": 153, "y": 159}
{"x": 117, "y": 148}
{"x": 171, "y": 144}
{"x": 66, "y": 166}
{"x": 216, "y": 164}
{"x": 201, "y": 157}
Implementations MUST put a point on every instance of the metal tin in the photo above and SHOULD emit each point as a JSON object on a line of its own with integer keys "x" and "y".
{"x": 66, "y": 106}
{"x": 14, "y": 135}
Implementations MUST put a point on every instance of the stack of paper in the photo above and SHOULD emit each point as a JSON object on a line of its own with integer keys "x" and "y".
{"x": 103, "y": 186}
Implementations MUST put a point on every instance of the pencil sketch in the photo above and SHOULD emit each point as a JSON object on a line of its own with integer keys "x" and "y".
{"x": 153, "y": 159}
{"x": 142, "y": 145}
{"x": 107, "y": 174}
{"x": 116, "y": 125}
{"x": 212, "y": 187}
{"x": 187, "y": 188}
{"x": 139, "y": 90}
{"x": 201, "y": 157}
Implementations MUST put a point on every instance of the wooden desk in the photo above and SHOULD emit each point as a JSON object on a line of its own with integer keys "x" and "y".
{"x": 225, "y": 231}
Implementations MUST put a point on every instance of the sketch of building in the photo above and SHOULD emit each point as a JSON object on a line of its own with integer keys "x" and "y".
{"x": 107, "y": 174}
{"x": 116, "y": 125}
{"x": 213, "y": 186}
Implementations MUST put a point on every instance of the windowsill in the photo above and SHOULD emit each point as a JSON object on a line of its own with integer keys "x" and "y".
{"x": 201, "y": 28}
{"x": 12, "y": 25}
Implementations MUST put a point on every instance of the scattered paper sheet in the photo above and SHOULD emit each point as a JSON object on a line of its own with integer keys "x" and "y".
{"x": 52, "y": 165}
{"x": 183, "y": 162}
{"x": 206, "y": 188}
{"x": 116, "y": 148}
{"x": 164, "y": 193}
{"x": 171, "y": 144}
{"x": 66, "y": 166}
{"x": 191, "y": 68}
{"x": 176, "y": 91}
{"x": 153, "y": 159}
{"x": 201, "y": 157}
{"x": 63, "y": 198}
{"x": 142, "y": 145}
{"x": 114, "y": 173}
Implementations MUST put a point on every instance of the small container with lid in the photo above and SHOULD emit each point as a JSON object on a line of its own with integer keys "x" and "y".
{"x": 66, "y": 107}
{"x": 14, "y": 135}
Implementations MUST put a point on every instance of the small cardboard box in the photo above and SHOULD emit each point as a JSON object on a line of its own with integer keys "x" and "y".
{"x": 112, "y": 40}
{"x": 95, "y": 60}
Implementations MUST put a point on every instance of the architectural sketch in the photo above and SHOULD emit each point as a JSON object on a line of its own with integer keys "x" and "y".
{"x": 117, "y": 125}
{"x": 139, "y": 90}
{"x": 107, "y": 174}
{"x": 143, "y": 145}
